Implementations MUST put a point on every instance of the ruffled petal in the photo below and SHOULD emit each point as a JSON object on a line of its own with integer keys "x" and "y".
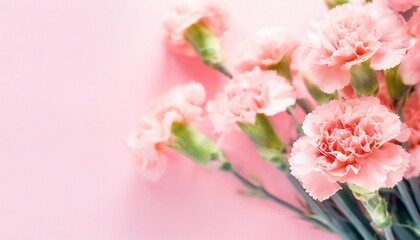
{"x": 302, "y": 166}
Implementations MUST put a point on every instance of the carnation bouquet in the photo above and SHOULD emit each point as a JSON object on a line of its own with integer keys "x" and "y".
{"x": 354, "y": 79}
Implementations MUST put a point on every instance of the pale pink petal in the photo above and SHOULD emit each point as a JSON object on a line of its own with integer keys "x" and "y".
{"x": 328, "y": 78}
{"x": 410, "y": 66}
{"x": 302, "y": 165}
{"x": 399, "y": 5}
{"x": 375, "y": 169}
{"x": 405, "y": 133}
{"x": 414, "y": 164}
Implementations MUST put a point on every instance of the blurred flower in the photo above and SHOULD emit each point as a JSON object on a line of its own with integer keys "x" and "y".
{"x": 414, "y": 166}
{"x": 399, "y": 5}
{"x": 349, "y": 142}
{"x": 265, "y": 50}
{"x": 248, "y": 94}
{"x": 181, "y": 105}
{"x": 411, "y": 113}
{"x": 410, "y": 66}
{"x": 187, "y": 13}
{"x": 413, "y": 24}
{"x": 349, "y": 35}
{"x": 194, "y": 27}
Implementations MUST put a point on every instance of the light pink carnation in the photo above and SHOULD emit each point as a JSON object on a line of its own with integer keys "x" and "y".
{"x": 265, "y": 49}
{"x": 351, "y": 34}
{"x": 349, "y": 141}
{"x": 249, "y": 94}
{"x": 187, "y": 13}
{"x": 181, "y": 104}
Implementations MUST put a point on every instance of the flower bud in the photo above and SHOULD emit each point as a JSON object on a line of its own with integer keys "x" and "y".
{"x": 207, "y": 46}
{"x": 193, "y": 144}
{"x": 364, "y": 79}
{"x": 266, "y": 141}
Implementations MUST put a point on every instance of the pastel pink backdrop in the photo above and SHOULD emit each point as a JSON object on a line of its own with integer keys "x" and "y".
{"x": 75, "y": 78}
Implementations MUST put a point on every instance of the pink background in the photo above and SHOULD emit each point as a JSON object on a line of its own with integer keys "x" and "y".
{"x": 75, "y": 78}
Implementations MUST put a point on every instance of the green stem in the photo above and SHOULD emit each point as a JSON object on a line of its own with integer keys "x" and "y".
{"x": 352, "y": 217}
{"x": 312, "y": 203}
{"x": 388, "y": 234}
{"x": 408, "y": 202}
{"x": 415, "y": 189}
{"x": 264, "y": 193}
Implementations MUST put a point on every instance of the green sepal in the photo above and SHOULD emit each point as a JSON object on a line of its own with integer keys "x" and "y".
{"x": 319, "y": 96}
{"x": 193, "y": 144}
{"x": 334, "y": 3}
{"x": 364, "y": 80}
{"x": 207, "y": 46}
{"x": 282, "y": 68}
{"x": 394, "y": 85}
{"x": 265, "y": 139}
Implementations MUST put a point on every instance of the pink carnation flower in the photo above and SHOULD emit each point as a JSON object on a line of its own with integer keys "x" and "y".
{"x": 265, "y": 49}
{"x": 349, "y": 141}
{"x": 187, "y": 13}
{"x": 349, "y": 35}
{"x": 181, "y": 104}
{"x": 247, "y": 95}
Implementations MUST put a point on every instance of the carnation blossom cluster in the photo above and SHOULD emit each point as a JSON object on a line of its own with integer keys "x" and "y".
{"x": 356, "y": 118}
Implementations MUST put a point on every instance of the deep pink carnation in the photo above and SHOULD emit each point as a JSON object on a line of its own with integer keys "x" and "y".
{"x": 248, "y": 94}
{"x": 351, "y": 34}
{"x": 187, "y": 13}
{"x": 181, "y": 104}
{"x": 349, "y": 141}
{"x": 265, "y": 49}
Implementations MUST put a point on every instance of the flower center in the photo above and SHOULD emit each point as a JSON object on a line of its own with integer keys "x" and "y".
{"x": 347, "y": 143}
